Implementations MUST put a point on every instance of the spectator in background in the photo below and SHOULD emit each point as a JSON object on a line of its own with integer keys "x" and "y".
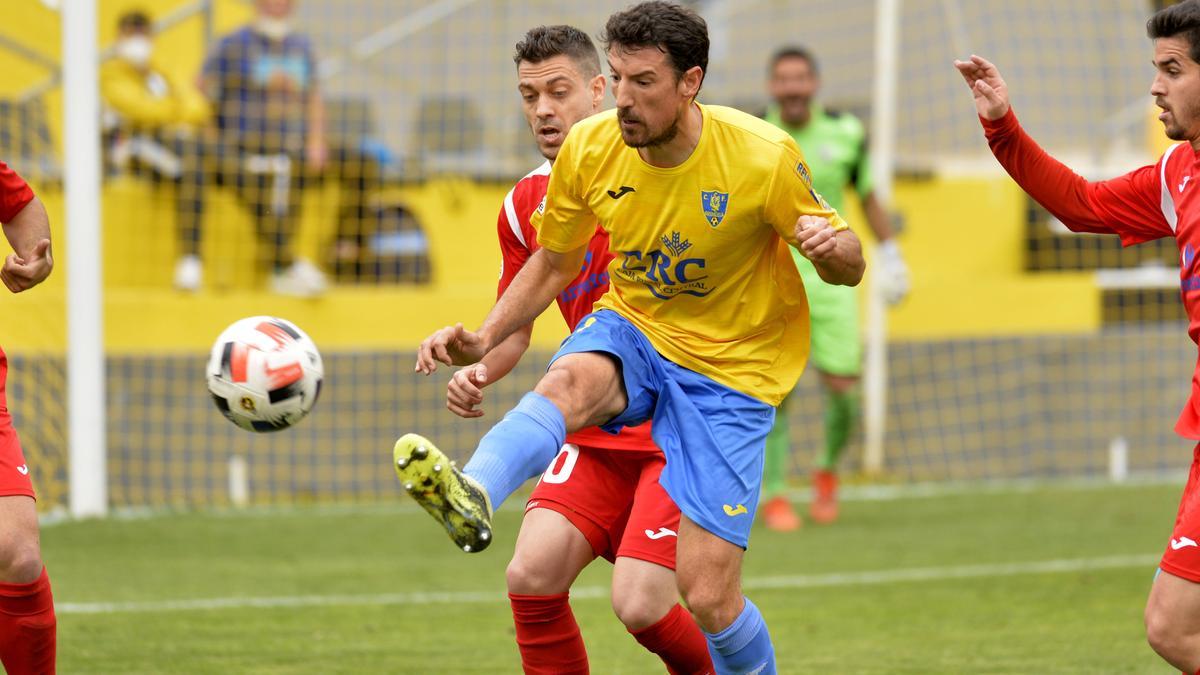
{"x": 153, "y": 121}
{"x": 270, "y": 119}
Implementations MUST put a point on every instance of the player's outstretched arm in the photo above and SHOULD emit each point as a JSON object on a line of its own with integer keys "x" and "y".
{"x": 837, "y": 254}
{"x": 1128, "y": 205}
{"x": 29, "y": 235}
{"x": 465, "y": 389}
{"x": 531, "y": 292}
{"x": 988, "y": 88}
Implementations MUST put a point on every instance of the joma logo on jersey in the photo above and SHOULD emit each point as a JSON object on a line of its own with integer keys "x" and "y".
{"x": 666, "y": 273}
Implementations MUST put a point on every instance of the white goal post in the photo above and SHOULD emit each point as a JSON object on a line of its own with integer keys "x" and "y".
{"x": 85, "y": 302}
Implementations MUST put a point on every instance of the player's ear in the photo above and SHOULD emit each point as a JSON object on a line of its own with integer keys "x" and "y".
{"x": 690, "y": 81}
{"x": 598, "y": 85}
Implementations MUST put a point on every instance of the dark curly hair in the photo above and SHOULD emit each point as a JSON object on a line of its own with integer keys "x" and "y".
{"x": 675, "y": 30}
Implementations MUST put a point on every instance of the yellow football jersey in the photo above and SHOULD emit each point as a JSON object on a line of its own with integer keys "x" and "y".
{"x": 700, "y": 265}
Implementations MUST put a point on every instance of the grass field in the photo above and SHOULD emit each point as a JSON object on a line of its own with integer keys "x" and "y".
{"x": 1039, "y": 580}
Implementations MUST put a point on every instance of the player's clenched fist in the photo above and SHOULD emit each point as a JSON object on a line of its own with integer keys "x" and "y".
{"x": 465, "y": 390}
{"x": 816, "y": 238}
{"x": 453, "y": 346}
{"x": 21, "y": 274}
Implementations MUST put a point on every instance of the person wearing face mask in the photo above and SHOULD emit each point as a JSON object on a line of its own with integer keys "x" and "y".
{"x": 154, "y": 117}
{"x": 261, "y": 81}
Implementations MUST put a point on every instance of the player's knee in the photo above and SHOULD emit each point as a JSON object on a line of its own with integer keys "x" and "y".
{"x": 715, "y": 608}
{"x": 21, "y": 562}
{"x": 1162, "y": 633}
{"x": 637, "y": 609}
{"x": 531, "y": 577}
{"x": 558, "y": 378}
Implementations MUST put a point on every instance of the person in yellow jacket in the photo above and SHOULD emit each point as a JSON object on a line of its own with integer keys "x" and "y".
{"x": 155, "y": 121}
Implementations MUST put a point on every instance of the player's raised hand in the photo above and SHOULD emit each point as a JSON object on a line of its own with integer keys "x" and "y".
{"x": 453, "y": 346}
{"x": 465, "y": 390}
{"x": 989, "y": 89}
{"x": 21, "y": 274}
{"x": 815, "y": 237}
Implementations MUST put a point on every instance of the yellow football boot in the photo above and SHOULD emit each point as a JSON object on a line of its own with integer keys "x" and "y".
{"x": 454, "y": 499}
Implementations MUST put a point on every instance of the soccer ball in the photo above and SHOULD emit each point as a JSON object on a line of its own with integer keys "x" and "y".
{"x": 264, "y": 374}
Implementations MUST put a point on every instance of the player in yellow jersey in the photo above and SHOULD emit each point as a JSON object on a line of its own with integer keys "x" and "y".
{"x": 704, "y": 328}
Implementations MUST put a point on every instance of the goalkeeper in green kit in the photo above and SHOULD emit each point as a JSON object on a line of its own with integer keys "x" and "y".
{"x": 834, "y": 146}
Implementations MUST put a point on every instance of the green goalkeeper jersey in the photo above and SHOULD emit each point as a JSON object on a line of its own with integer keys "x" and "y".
{"x": 835, "y": 148}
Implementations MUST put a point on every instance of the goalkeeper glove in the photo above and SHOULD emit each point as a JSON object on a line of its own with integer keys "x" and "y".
{"x": 891, "y": 272}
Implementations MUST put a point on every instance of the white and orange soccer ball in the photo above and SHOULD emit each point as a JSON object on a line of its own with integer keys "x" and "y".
{"x": 264, "y": 373}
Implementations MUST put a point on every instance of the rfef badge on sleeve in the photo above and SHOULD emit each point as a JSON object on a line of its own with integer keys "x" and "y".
{"x": 802, "y": 169}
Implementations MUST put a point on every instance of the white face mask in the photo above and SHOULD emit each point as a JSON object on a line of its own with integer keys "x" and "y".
{"x": 135, "y": 50}
{"x": 276, "y": 29}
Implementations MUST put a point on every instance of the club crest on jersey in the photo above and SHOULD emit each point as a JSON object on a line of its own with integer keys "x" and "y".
{"x": 714, "y": 204}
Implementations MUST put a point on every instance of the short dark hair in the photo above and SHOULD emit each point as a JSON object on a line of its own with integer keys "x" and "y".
{"x": 545, "y": 42}
{"x": 134, "y": 20}
{"x": 1180, "y": 19}
{"x": 675, "y": 30}
{"x": 794, "y": 52}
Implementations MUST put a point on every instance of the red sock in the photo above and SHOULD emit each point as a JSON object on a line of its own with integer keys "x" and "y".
{"x": 27, "y": 627}
{"x": 547, "y": 635}
{"x": 678, "y": 642}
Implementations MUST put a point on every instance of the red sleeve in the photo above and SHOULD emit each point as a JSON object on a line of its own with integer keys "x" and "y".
{"x": 1129, "y": 206}
{"x": 514, "y": 253}
{"x": 15, "y": 193}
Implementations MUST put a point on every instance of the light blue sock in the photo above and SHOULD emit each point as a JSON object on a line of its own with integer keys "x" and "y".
{"x": 744, "y": 647}
{"x": 520, "y": 447}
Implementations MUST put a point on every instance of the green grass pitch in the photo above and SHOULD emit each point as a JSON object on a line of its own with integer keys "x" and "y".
{"x": 1042, "y": 580}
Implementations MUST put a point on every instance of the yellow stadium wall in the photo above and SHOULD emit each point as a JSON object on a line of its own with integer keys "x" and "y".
{"x": 963, "y": 243}
{"x": 36, "y": 27}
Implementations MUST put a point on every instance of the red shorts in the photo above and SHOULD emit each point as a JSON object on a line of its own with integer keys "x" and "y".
{"x": 614, "y": 499}
{"x": 14, "y": 472}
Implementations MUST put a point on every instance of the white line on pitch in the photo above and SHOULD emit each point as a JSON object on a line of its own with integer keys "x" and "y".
{"x": 589, "y": 592}
{"x": 849, "y": 493}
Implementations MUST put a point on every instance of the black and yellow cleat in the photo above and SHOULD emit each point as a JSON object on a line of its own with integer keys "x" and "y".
{"x": 455, "y": 500}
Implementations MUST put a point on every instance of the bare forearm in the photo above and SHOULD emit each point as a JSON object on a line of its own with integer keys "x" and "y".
{"x": 27, "y": 228}
{"x": 845, "y": 265}
{"x": 531, "y": 292}
{"x": 505, "y": 356}
{"x": 877, "y": 218}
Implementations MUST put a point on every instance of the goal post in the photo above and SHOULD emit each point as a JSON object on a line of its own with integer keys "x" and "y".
{"x": 883, "y": 145}
{"x": 85, "y": 325}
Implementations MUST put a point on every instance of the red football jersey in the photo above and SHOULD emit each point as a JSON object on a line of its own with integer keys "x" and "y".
{"x": 14, "y": 193}
{"x": 518, "y": 241}
{"x": 1149, "y": 203}
{"x": 14, "y": 472}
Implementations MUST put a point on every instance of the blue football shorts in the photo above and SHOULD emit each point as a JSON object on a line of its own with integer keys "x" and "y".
{"x": 713, "y": 436}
